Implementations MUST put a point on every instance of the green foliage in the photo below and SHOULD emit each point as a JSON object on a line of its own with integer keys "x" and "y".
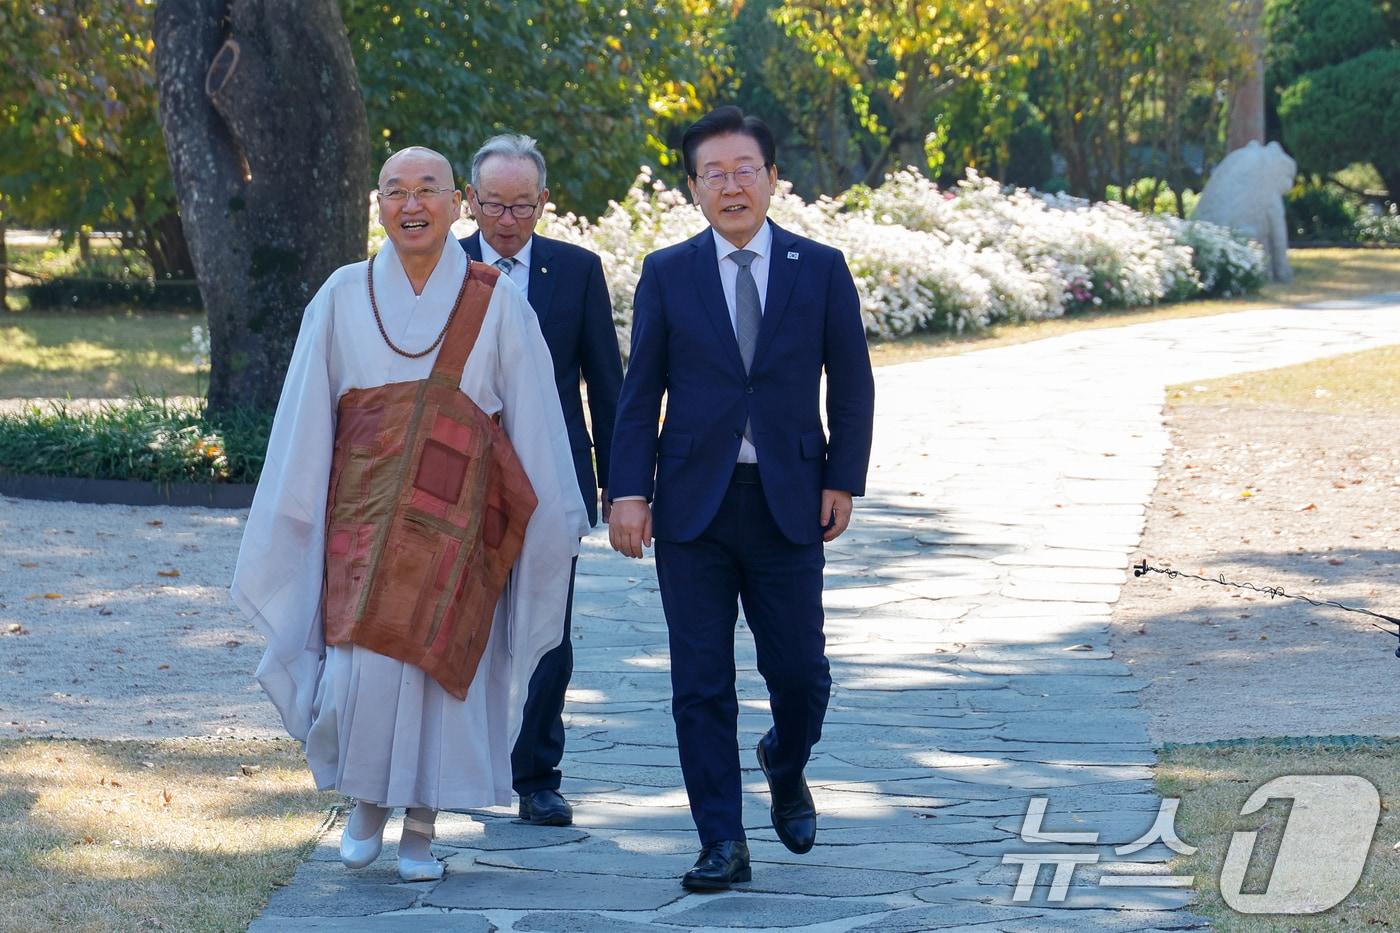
{"x": 1153, "y": 196}
{"x": 911, "y": 71}
{"x": 1344, "y": 113}
{"x": 144, "y": 438}
{"x": 1122, "y": 78}
{"x": 79, "y": 125}
{"x": 82, "y": 292}
{"x": 822, "y": 147}
{"x": 1321, "y": 212}
{"x": 1332, "y": 78}
{"x": 1309, "y": 34}
{"x": 596, "y": 85}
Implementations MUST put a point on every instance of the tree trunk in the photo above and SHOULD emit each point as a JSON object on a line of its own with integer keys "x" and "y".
{"x": 269, "y": 149}
{"x": 1246, "y": 121}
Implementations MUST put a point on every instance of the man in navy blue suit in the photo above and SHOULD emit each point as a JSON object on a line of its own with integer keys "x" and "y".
{"x": 742, "y": 486}
{"x": 565, "y": 286}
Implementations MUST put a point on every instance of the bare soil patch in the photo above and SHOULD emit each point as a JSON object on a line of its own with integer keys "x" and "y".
{"x": 1305, "y": 500}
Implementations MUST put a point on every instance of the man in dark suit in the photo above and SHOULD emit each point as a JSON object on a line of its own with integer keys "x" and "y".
{"x": 741, "y": 487}
{"x": 565, "y": 286}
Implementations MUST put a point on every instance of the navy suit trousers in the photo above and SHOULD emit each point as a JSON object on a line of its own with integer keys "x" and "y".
{"x": 742, "y": 557}
{"x": 534, "y": 762}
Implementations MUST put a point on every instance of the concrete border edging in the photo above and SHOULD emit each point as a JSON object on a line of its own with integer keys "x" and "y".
{"x": 126, "y": 492}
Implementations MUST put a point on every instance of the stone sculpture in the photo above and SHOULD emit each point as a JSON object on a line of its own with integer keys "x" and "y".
{"x": 1245, "y": 193}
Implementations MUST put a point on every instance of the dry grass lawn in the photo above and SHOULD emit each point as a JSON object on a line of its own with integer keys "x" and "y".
{"x": 177, "y": 834}
{"x": 1213, "y": 784}
{"x": 1355, "y": 383}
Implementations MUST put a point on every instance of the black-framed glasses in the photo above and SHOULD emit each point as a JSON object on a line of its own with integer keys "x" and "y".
{"x": 496, "y": 208}
{"x": 744, "y": 176}
{"x": 422, "y": 193}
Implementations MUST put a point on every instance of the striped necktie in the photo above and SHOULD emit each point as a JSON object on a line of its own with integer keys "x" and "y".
{"x": 505, "y": 264}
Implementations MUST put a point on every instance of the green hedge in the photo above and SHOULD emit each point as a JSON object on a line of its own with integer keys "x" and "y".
{"x": 77, "y": 293}
{"x": 149, "y": 439}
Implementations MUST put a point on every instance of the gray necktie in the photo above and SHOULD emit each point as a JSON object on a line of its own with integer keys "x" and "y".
{"x": 748, "y": 312}
{"x": 748, "y": 315}
{"x": 505, "y": 264}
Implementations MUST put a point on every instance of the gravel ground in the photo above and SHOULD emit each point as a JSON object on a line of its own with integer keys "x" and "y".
{"x": 1306, "y": 501}
{"x": 115, "y": 622}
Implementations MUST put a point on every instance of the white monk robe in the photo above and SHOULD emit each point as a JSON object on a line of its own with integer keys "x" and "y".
{"x": 375, "y": 728}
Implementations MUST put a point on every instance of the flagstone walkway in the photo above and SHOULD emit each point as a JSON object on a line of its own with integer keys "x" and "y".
{"x": 967, "y": 626}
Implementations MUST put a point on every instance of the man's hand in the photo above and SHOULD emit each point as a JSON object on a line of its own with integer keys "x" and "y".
{"x": 836, "y": 512}
{"x": 606, "y": 506}
{"x": 629, "y": 529}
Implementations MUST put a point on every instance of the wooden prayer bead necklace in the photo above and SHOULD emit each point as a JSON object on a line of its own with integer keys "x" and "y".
{"x": 374, "y": 306}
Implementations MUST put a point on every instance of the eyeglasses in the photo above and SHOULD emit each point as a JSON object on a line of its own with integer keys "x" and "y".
{"x": 422, "y": 193}
{"x": 496, "y": 208}
{"x": 744, "y": 176}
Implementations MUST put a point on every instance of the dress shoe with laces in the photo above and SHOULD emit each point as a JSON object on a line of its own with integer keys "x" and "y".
{"x": 720, "y": 864}
{"x": 793, "y": 812}
{"x": 546, "y": 808}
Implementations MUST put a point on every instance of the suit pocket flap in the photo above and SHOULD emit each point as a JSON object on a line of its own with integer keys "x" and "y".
{"x": 813, "y": 445}
{"x": 674, "y": 445}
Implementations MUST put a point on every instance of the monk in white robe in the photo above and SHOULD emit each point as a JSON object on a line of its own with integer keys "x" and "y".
{"x": 375, "y": 728}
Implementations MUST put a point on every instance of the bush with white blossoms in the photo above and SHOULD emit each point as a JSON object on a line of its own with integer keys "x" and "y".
{"x": 924, "y": 258}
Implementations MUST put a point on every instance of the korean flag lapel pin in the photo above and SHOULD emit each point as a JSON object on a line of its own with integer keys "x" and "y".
{"x": 792, "y": 254}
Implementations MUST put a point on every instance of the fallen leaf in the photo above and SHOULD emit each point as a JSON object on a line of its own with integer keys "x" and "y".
{"x": 155, "y": 523}
{"x": 167, "y": 573}
{"x": 1335, "y": 562}
{"x": 166, "y": 796}
{"x": 87, "y": 840}
{"x": 30, "y": 563}
{"x": 163, "y": 667}
{"x": 1310, "y": 507}
{"x": 250, "y": 770}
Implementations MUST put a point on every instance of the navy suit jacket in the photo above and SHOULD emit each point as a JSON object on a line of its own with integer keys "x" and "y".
{"x": 570, "y": 298}
{"x": 683, "y": 345}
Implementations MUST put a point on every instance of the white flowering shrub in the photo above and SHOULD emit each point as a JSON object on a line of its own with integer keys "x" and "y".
{"x": 924, "y": 258}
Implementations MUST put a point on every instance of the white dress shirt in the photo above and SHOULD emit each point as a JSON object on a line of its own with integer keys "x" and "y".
{"x": 520, "y": 272}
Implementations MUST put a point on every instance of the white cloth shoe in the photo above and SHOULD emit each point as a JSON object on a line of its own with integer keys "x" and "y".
{"x": 357, "y": 853}
{"x": 412, "y": 869}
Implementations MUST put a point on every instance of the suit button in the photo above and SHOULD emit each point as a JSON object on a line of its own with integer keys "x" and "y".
{"x": 738, "y": 434}
{"x": 748, "y": 389}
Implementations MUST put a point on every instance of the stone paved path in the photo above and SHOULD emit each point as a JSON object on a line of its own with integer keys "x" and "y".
{"x": 967, "y": 625}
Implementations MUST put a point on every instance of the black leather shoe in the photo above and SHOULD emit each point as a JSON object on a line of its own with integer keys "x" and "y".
{"x": 546, "y": 808}
{"x": 793, "y": 812}
{"x": 720, "y": 864}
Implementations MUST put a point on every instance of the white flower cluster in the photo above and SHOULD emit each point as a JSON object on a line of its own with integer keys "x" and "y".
{"x": 924, "y": 258}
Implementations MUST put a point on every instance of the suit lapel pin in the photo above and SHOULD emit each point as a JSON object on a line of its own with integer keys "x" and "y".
{"x": 792, "y": 255}
{"x": 543, "y": 271}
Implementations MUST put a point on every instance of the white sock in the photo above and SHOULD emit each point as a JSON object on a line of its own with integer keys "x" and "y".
{"x": 366, "y": 820}
{"x": 413, "y": 845}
